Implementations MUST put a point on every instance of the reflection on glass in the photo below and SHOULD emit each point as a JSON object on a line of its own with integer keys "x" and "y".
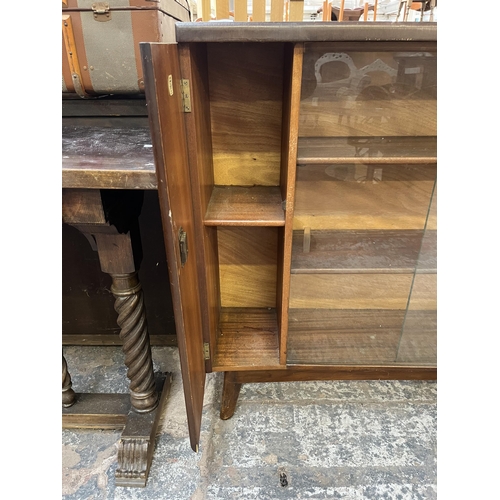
{"x": 363, "y": 271}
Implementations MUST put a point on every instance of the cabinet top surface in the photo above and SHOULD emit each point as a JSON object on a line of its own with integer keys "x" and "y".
{"x": 354, "y": 31}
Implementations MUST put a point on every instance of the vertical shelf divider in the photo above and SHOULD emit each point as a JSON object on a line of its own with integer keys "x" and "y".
{"x": 290, "y": 131}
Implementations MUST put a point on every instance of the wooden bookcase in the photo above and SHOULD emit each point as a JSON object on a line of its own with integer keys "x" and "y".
{"x": 296, "y": 163}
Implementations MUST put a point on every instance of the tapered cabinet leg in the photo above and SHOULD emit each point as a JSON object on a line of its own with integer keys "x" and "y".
{"x": 68, "y": 394}
{"x": 230, "y": 393}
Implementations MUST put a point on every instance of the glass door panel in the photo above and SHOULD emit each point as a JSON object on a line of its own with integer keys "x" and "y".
{"x": 366, "y": 172}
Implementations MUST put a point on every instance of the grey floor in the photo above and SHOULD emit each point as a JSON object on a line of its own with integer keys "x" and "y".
{"x": 351, "y": 440}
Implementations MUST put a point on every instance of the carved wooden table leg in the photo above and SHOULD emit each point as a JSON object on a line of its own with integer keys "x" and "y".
{"x": 118, "y": 247}
{"x": 230, "y": 393}
{"x": 129, "y": 305}
{"x": 68, "y": 394}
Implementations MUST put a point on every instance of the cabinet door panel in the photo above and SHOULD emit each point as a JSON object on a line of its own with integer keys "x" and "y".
{"x": 162, "y": 77}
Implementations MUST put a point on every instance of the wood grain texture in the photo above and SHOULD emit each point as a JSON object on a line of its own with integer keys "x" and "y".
{"x": 378, "y": 118}
{"x": 296, "y": 373}
{"x": 247, "y": 339}
{"x": 245, "y": 206}
{"x": 113, "y": 339}
{"x": 247, "y": 266}
{"x": 174, "y": 192}
{"x": 363, "y": 252}
{"x": 319, "y": 336}
{"x": 423, "y": 292}
{"x": 82, "y": 206}
{"x": 363, "y": 197}
{"x": 291, "y": 101}
{"x": 366, "y": 150}
{"x": 193, "y": 64}
{"x": 246, "y": 85}
{"x": 418, "y": 342}
{"x": 349, "y": 291}
{"x": 107, "y": 158}
{"x": 230, "y": 393}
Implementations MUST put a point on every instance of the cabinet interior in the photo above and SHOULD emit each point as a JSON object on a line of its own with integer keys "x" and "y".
{"x": 318, "y": 231}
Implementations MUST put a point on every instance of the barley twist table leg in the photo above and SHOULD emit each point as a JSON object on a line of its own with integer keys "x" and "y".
{"x": 129, "y": 304}
{"x": 68, "y": 394}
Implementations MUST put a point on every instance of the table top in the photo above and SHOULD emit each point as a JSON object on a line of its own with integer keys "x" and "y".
{"x": 100, "y": 157}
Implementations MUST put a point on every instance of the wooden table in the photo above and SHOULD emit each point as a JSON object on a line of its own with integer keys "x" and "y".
{"x": 104, "y": 172}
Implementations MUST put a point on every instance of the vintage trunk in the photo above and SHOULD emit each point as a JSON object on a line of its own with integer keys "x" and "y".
{"x": 101, "y": 42}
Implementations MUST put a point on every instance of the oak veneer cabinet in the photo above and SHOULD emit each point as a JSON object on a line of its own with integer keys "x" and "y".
{"x": 296, "y": 169}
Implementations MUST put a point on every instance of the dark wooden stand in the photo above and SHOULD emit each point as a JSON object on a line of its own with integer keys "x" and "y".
{"x": 103, "y": 182}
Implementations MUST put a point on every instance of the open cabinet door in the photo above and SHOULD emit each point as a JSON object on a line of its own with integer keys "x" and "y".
{"x": 163, "y": 96}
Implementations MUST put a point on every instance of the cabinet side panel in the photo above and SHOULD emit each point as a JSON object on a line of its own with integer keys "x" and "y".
{"x": 193, "y": 63}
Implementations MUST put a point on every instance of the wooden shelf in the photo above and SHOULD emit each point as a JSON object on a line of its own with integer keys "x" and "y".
{"x": 366, "y": 150}
{"x": 329, "y": 336}
{"x": 332, "y": 252}
{"x": 361, "y": 197}
{"x": 245, "y": 206}
{"x": 247, "y": 338}
{"x": 317, "y": 337}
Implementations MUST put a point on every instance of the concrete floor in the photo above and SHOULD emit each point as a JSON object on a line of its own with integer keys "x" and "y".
{"x": 351, "y": 440}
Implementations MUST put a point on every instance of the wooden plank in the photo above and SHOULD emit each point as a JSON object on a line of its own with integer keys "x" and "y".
{"x": 309, "y": 32}
{"x": 247, "y": 266}
{"x": 258, "y": 10}
{"x": 366, "y": 150}
{"x": 240, "y": 10}
{"x": 82, "y": 206}
{"x": 277, "y": 10}
{"x": 205, "y": 9}
{"x": 170, "y": 151}
{"x": 193, "y": 63}
{"x": 222, "y": 9}
{"x": 97, "y": 411}
{"x": 294, "y": 373}
{"x": 114, "y": 340}
{"x": 323, "y": 336}
{"x": 248, "y": 339}
{"x": 296, "y": 10}
{"x": 246, "y": 85}
{"x": 350, "y": 291}
{"x": 291, "y": 106}
{"x": 107, "y": 158}
{"x": 349, "y": 197}
{"x": 379, "y": 118}
{"x": 363, "y": 252}
{"x": 245, "y": 206}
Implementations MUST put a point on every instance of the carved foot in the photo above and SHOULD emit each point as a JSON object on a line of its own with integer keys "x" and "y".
{"x": 129, "y": 305}
{"x": 137, "y": 443}
{"x": 230, "y": 393}
{"x": 68, "y": 394}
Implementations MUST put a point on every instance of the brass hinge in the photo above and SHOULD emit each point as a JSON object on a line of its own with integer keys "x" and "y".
{"x": 186, "y": 96}
{"x": 206, "y": 350}
{"x": 101, "y": 11}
